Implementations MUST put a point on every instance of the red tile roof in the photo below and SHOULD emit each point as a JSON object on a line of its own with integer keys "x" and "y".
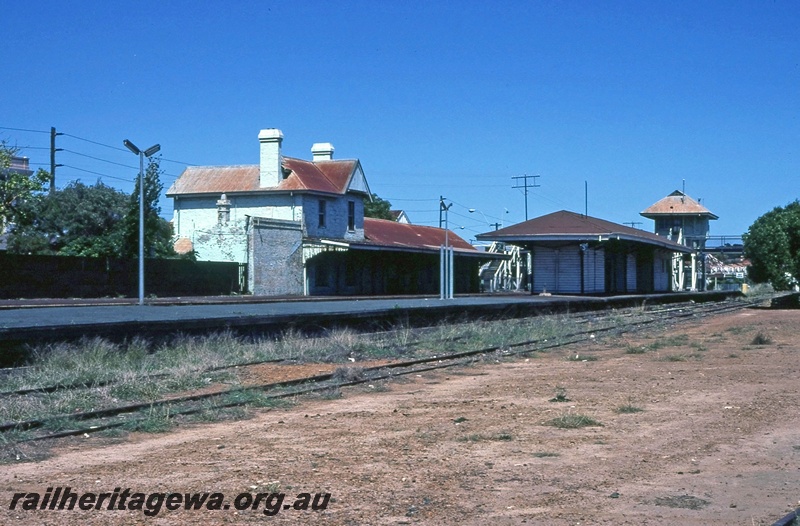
{"x": 322, "y": 176}
{"x": 569, "y": 226}
{"x": 677, "y": 203}
{"x": 385, "y": 233}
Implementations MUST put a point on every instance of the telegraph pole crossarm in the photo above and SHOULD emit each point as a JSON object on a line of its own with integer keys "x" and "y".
{"x": 525, "y": 186}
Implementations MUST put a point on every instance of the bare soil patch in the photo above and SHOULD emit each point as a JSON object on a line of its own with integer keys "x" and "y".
{"x": 714, "y": 440}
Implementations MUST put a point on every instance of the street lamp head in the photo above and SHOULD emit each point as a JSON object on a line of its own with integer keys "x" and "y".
{"x": 471, "y": 210}
{"x": 132, "y": 147}
{"x": 153, "y": 149}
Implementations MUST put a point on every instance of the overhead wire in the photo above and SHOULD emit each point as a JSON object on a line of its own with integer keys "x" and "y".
{"x": 96, "y": 173}
{"x": 23, "y": 130}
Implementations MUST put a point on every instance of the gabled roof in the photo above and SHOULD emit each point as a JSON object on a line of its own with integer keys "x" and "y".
{"x": 571, "y": 227}
{"x": 677, "y": 203}
{"x": 333, "y": 177}
{"x": 382, "y": 233}
{"x": 400, "y": 216}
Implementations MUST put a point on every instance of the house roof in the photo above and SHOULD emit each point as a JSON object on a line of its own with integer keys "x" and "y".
{"x": 322, "y": 176}
{"x": 385, "y": 234}
{"x": 677, "y": 203}
{"x": 571, "y": 227}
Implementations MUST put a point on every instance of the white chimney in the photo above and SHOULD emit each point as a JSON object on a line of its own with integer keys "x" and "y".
{"x": 322, "y": 151}
{"x": 271, "y": 173}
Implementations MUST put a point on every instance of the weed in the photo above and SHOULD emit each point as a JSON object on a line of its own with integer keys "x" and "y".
{"x": 561, "y": 395}
{"x": 737, "y": 330}
{"x": 459, "y": 419}
{"x": 13, "y": 448}
{"x": 578, "y": 358}
{"x": 476, "y": 437}
{"x": 379, "y": 387}
{"x": 673, "y": 358}
{"x": 157, "y": 420}
{"x": 58, "y": 424}
{"x": 630, "y": 349}
{"x": 629, "y": 409}
{"x": 680, "y": 357}
{"x": 572, "y": 421}
{"x": 332, "y": 393}
{"x": 251, "y": 398}
{"x": 546, "y": 454}
{"x": 677, "y": 340}
{"x": 217, "y": 414}
{"x": 761, "y": 339}
{"x": 348, "y": 374}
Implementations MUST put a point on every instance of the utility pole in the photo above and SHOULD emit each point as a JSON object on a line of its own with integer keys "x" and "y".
{"x": 632, "y": 223}
{"x": 441, "y": 208}
{"x": 53, "y": 164}
{"x": 525, "y": 186}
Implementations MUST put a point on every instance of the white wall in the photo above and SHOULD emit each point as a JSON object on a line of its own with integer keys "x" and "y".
{"x": 195, "y": 218}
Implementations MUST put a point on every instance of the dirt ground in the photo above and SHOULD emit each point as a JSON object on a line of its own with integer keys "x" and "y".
{"x": 717, "y": 442}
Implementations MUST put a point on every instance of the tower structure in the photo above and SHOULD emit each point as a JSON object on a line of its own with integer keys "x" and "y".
{"x": 685, "y": 221}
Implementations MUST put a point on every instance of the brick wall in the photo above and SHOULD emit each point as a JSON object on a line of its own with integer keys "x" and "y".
{"x": 275, "y": 257}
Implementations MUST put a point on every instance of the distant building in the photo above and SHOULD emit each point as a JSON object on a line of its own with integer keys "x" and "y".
{"x": 20, "y": 165}
{"x": 400, "y": 216}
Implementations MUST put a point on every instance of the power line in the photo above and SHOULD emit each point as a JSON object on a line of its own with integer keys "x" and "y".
{"x": 94, "y": 142}
{"x": 97, "y": 173}
{"x": 113, "y": 162}
{"x": 121, "y": 149}
{"x": 414, "y": 200}
{"x": 103, "y": 160}
{"x": 23, "y": 130}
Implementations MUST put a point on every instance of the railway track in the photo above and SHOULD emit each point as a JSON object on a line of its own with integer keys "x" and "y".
{"x": 584, "y": 327}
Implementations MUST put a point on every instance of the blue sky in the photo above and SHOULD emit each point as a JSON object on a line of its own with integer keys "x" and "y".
{"x": 630, "y": 99}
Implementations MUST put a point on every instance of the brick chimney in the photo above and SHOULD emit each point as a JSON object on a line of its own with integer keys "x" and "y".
{"x": 322, "y": 151}
{"x": 271, "y": 173}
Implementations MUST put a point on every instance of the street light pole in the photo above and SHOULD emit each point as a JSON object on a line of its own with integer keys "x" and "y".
{"x": 446, "y": 256}
{"x": 142, "y": 154}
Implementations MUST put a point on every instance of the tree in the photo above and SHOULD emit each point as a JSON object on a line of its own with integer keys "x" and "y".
{"x": 78, "y": 220}
{"x": 378, "y": 208}
{"x": 16, "y": 187}
{"x": 772, "y": 244}
{"x": 157, "y": 230}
